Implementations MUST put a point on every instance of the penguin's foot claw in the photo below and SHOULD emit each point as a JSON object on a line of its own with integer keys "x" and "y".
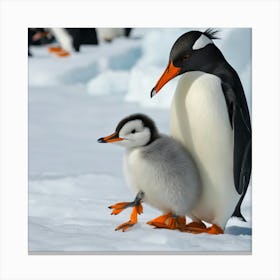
{"x": 214, "y": 229}
{"x": 168, "y": 221}
{"x": 138, "y": 209}
{"x": 125, "y": 226}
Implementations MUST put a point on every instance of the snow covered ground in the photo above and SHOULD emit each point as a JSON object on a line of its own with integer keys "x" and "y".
{"x": 73, "y": 179}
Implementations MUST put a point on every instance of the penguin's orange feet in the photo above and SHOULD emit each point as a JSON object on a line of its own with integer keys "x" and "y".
{"x": 168, "y": 221}
{"x": 58, "y": 51}
{"x": 214, "y": 229}
{"x": 62, "y": 53}
{"x": 54, "y": 49}
{"x": 196, "y": 225}
{"x": 160, "y": 220}
{"x": 133, "y": 219}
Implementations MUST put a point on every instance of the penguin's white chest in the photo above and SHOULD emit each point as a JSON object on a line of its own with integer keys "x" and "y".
{"x": 200, "y": 121}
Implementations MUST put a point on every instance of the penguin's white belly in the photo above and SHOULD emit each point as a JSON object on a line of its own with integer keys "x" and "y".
{"x": 200, "y": 121}
{"x": 158, "y": 191}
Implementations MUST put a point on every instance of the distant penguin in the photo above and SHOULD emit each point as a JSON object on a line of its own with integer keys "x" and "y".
{"x": 127, "y": 32}
{"x": 158, "y": 170}
{"x": 210, "y": 117}
{"x": 108, "y": 34}
{"x": 82, "y": 36}
{"x": 71, "y": 39}
{"x": 38, "y": 36}
{"x": 64, "y": 39}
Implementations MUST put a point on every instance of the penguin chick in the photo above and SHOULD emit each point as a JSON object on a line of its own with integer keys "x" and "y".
{"x": 158, "y": 170}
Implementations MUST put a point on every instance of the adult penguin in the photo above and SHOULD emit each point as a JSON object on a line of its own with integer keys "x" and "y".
{"x": 210, "y": 117}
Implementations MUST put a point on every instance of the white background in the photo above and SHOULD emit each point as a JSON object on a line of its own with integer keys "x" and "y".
{"x": 262, "y": 16}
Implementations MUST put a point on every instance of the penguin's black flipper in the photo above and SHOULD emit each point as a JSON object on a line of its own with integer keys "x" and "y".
{"x": 242, "y": 151}
{"x": 240, "y": 121}
{"x": 237, "y": 211}
{"x": 242, "y": 158}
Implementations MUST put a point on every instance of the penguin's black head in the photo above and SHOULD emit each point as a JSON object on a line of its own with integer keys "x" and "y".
{"x": 133, "y": 131}
{"x": 193, "y": 51}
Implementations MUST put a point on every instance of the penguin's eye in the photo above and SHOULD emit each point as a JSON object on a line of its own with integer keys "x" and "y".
{"x": 185, "y": 57}
{"x": 133, "y": 131}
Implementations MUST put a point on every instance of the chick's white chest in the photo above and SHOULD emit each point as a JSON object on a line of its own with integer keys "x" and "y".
{"x": 143, "y": 176}
{"x": 137, "y": 172}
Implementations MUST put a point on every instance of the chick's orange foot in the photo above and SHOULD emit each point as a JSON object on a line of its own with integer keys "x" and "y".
{"x": 119, "y": 207}
{"x": 137, "y": 209}
{"x": 133, "y": 220}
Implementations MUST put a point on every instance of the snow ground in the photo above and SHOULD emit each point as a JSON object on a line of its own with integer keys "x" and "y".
{"x": 72, "y": 179}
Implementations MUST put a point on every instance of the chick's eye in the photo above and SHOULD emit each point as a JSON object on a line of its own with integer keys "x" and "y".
{"x": 133, "y": 131}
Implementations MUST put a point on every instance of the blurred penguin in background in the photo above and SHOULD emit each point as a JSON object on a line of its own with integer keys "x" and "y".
{"x": 109, "y": 34}
{"x": 70, "y": 39}
{"x": 37, "y": 37}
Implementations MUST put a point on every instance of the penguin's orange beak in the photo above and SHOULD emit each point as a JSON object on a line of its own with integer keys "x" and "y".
{"x": 170, "y": 72}
{"x": 109, "y": 139}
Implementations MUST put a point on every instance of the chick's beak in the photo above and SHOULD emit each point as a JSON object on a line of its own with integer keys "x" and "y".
{"x": 170, "y": 72}
{"x": 109, "y": 139}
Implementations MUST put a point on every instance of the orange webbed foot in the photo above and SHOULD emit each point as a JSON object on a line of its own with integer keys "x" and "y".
{"x": 214, "y": 229}
{"x": 54, "y": 49}
{"x": 136, "y": 210}
{"x": 125, "y": 226}
{"x": 58, "y": 51}
{"x": 160, "y": 220}
{"x": 133, "y": 219}
{"x": 62, "y": 54}
{"x": 119, "y": 207}
{"x": 168, "y": 221}
{"x": 196, "y": 225}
